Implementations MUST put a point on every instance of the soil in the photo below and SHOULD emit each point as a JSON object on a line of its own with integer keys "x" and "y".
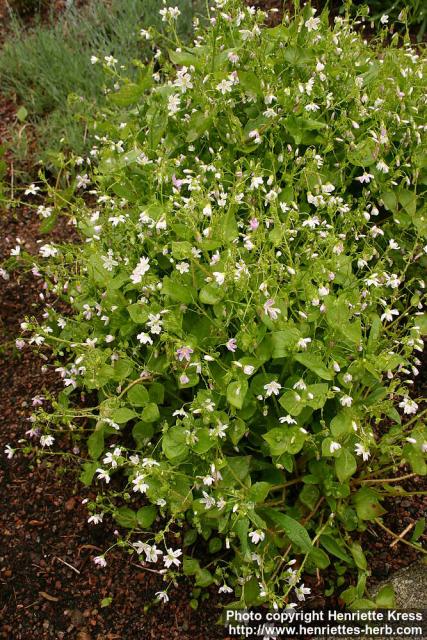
{"x": 49, "y": 586}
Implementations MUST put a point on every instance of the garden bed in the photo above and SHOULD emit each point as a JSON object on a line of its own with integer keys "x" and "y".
{"x": 49, "y": 587}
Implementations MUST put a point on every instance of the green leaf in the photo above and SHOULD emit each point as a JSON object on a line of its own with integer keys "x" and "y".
{"x": 342, "y": 424}
{"x": 123, "y": 415}
{"x": 419, "y": 529}
{"x": 150, "y": 413}
{"x": 309, "y": 495}
{"x": 284, "y": 342}
{"x": 146, "y": 516}
{"x": 367, "y": 504}
{"x": 138, "y": 313}
{"x": 128, "y": 94}
{"x": 289, "y": 401}
{"x": 184, "y": 58}
{"x": 345, "y": 465}
{"x": 138, "y": 395}
{"x": 174, "y": 443}
{"x": 319, "y": 557}
{"x": 141, "y": 432}
{"x": 336, "y": 547}
{"x": 177, "y": 291}
{"x": 296, "y": 533}
{"x": 22, "y": 114}
{"x": 95, "y": 443}
{"x": 359, "y": 556}
{"x": 236, "y": 430}
{"x": 89, "y": 470}
{"x": 365, "y": 153}
{"x": 259, "y": 491}
{"x": 386, "y": 598}
{"x": 126, "y": 517}
{"x": 236, "y": 393}
{"x": 315, "y": 364}
{"x": 285, "y": 440}
{"x": 190, "y": 566}
{"x": 211, "y": 294}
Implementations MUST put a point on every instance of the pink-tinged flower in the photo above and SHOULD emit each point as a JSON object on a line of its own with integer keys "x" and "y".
{"x": 271, "y": 311}
{"x": 184, "y": 353}
{"x": 231, "y": 345}
{"x": 184, "y": 379}
{"x": 100, "y": 561}
{"x": 37, "y": 401}
{"x": 253, "y": 224}
{"x": 177, "y": 183}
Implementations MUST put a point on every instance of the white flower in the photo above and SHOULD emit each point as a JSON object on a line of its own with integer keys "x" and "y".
{"x": 170, "y": 13}
{"x": 94, "y": 59}
{"x": 162, "y": 596}
{"x": 225, "y": 589}
{"x": 256, "y": 182}
{"x": 100, "y": 561}
{"x": 108, "y": 261}
{"x": 225, "y": 86}
{"x": 46, "y": 441}
{"x": 103, "y": 475}
{"x": 144, "y": 338}
{"x": 408, "y": 406}
{"x": 207, "y": 500}
{"x": 361, "y": 450}
{"x": 384, "y": 19}
{"x": 171, "y": 557}
{"x": 47, "y": 250}
{"x": 174, "y": 104}
{"x": 9, "y": 451}
{"x": 365, "y": 178}
{"x": 303, "y": 342}
{"x": 334, "y": 446}
{"x": 272, "y": 387}
{"x": 346, "y": 401}
{"x": 301, "y": 592}
{"x": 287, "y": 420}
{"x": 388, "y": 314}
{"x": 257, "y": 536}
{"x": 152, "y": 553}
{"x": 219, "y": 430}
{"x": 312, "y": 24}
{"x": 140, "y": 484}
{"x": 382, "y": 166}
{"x": 271, "y": 311}
{"x": 141, "y": 269}
{"x": 96, "y": 518}
{"x": 31, "y": 190}
{"x": 182, "y": 267}
{"x": 219, "y": 277}
{"x": 300, "y": 385}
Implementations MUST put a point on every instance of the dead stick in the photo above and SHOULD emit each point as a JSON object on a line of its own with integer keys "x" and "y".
{"x": 402, "y": 535}
{"x": 394, "y": 535}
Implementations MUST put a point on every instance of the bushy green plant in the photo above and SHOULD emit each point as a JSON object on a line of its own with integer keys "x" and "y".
{"x": 245, "y": 307}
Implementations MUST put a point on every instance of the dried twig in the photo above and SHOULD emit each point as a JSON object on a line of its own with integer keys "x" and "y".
{"x": 402, "y": 535}
{"x": 67, "y": 564}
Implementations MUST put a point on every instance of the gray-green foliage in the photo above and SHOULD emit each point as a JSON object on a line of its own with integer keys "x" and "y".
{"x": 48, "y": 68}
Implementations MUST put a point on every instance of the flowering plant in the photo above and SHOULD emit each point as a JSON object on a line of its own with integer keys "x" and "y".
{"x": 245, "y": 308}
